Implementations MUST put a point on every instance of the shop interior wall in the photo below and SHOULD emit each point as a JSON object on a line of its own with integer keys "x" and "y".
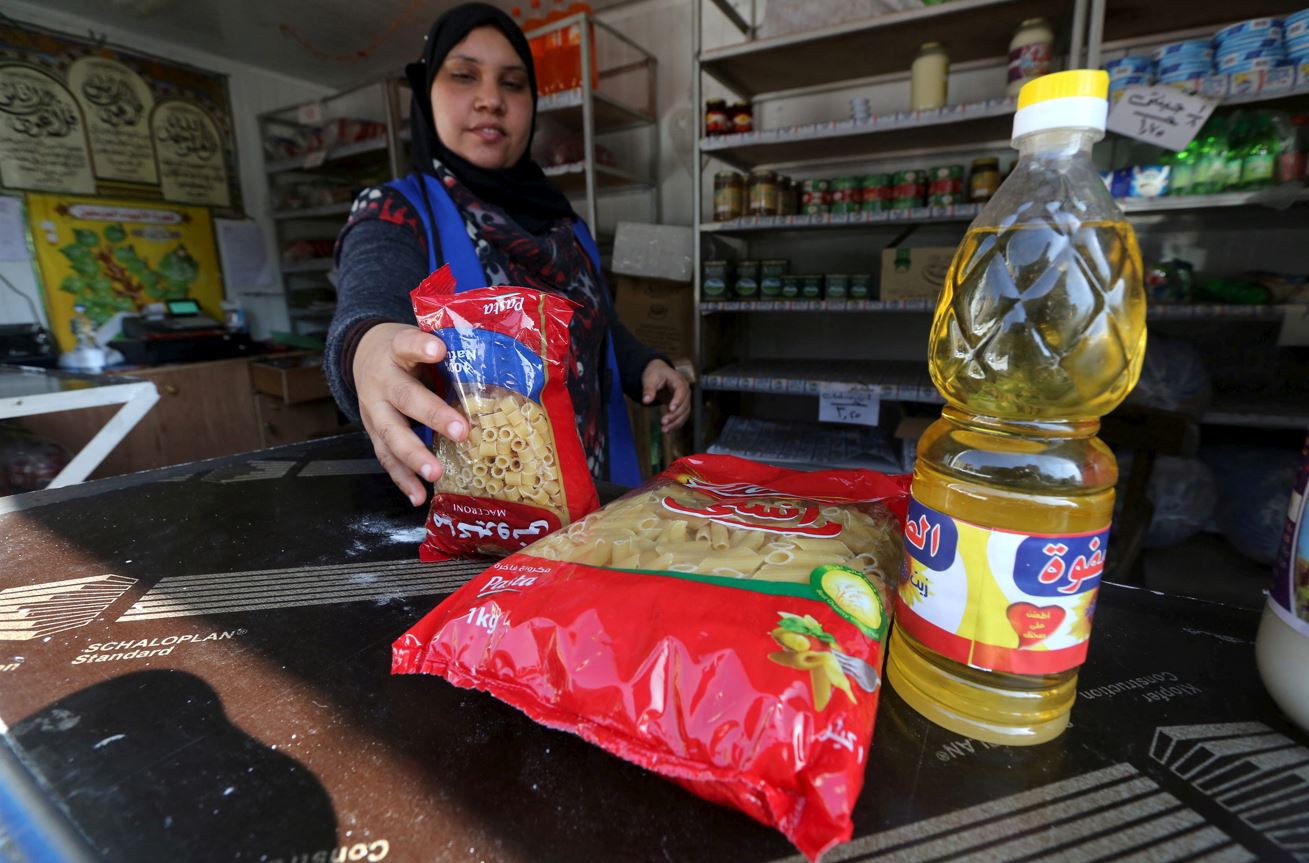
{"x": 253, "y": 91}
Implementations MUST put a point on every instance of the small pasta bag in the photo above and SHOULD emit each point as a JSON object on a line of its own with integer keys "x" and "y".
{"x": 723, "y": 625}
{"x": 521, "y": 473}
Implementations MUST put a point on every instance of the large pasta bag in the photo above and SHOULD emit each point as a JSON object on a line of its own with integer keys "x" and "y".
{"x": 521, "y": 473}
{"x": 724, "y": 626}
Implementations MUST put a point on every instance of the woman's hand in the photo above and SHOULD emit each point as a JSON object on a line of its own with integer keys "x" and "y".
{"x": 386, "y": 367}
{"x": 659, "y": 375}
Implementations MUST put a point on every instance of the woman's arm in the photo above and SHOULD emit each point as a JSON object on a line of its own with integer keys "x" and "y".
{"x": 375, "y": 351}
{"x": 645, "y": 374}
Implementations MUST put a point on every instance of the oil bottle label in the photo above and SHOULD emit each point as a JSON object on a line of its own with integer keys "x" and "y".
{"x": 996, "y": 599}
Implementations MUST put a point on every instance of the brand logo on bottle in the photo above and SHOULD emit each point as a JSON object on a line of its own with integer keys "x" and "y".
{"x": 1060, "y": 566}
{"x": 931, "y": 538}
{"x": 774, "y": 518}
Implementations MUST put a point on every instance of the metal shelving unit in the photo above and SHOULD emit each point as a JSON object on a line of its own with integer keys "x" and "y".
{"x": 624, "y": 70}
{"x": 799, "y": 65}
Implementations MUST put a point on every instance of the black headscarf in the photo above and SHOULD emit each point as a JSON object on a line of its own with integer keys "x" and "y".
{"x": 522, "y": 191}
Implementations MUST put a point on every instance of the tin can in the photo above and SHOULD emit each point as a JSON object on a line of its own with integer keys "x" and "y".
{"x": 813, "y": 198}
{"x": 945, "y": 199}
{"x": 837, "y": 286}
{"x": 770, "y": 282}
{"x": 985, "y": 179}
{"x": 908, "y": 189}
{"x": 714, "y": 281}
{"x": 729, "y": 196}
{"x": 790, "y": 287}
{"x": 861, "y": 286}
{"x": 946, "y": 180}
{"x": 843, "y": 196}
{"x": 811, "y": 287}
{"x": 746, "y": 286}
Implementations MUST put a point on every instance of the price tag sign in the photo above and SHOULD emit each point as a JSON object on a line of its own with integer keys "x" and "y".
{"x": 315, "y": 159}
{"x": 844, "y": 403}
{"x": 1163, "y": 116}
{"x": 310, "y": 114}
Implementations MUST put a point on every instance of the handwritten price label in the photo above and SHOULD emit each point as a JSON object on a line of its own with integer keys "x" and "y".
{"x": 842, "y": 403}
{"x": 1162, "y": 116}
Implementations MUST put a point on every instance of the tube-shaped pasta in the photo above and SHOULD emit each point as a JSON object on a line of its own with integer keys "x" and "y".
{"x": 718, "y": 537}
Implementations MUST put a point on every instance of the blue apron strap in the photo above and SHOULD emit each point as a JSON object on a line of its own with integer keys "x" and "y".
{"x": 623, "y": 467}
{"x": 412, "y": 190}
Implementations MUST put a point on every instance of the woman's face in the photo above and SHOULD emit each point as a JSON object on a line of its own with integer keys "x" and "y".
{"x": 482, "y": 101}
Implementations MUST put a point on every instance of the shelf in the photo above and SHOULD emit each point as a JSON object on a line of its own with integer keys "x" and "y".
{"x": 790, "y": 306}
{"x": 333, "y": 158}
{"x": 905, "y": 381}
{"x": 917, "y": 216}
{"x": 571, "y": 178}
{"x": 1129, "y": 19}
{"x": 314, "y": 265}
{"x": 610, "y": 114}
{"x": 971, "y": 29}
{"x": 1268, "y": 98}
{"x": 315, "y": 212}
{"x": 1277, "y": 198}
{"x": 808, "y": 445}
{"x": 1156, "y": 312}
{"x": 956, "y": 125}
{"x": 1255, "y": 413}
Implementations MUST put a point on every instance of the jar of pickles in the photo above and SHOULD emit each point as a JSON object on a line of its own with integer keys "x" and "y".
{"x": 984, "y": 180}
{"x": 763, "y": 193}
{"x": 729, "y": 196}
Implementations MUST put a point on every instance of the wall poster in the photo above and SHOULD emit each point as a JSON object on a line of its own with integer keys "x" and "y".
{"x": 42, "y": 134}
{"x": 110, "y": 107}
{"x": 115, "y": 256}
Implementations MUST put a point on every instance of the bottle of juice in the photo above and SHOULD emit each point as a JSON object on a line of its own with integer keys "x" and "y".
{"x": 536, "y": 43}
{"x": 556, "y": 70}
{"x": 573, "y": 44}
{"x": 1211, "y": 158}
{"x": 1183, "y": 173}
{"x": 1259, "y": 155}
{"x": 1040, "y": 330}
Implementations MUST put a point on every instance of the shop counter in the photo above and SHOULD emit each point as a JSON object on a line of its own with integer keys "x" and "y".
{"x": 194, "y": 665}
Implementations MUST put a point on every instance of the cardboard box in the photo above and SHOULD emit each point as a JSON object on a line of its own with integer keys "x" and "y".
{"x": 653, "y": 251}
{"x": 660, "y": 313}
{"x": 294, "y": 378}
{"x": 914, "y": 273}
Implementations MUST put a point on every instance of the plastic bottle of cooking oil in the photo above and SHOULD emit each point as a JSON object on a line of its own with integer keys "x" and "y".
{"x": 1040, "y": 330}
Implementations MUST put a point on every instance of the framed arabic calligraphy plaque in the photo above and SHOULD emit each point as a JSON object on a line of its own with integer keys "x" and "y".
{"x": 82, "y": 117}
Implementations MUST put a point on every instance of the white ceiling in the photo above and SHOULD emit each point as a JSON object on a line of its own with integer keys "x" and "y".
{"x": 330, "y": 42}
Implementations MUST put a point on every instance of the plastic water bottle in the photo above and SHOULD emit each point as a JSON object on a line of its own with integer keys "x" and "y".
{"x": 1040, "y": 330}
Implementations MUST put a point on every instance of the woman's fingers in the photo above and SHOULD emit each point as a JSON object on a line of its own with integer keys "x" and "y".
{"x": 679, "y": 406}
{"x": 410, "y": 346}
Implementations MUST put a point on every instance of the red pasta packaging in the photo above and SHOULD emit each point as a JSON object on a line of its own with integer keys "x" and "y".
{"x": 521, "y": 473}
{"x": 723, "y": 626}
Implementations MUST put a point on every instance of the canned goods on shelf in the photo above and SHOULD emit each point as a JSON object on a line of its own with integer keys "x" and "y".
{"x": 836, "y": 286}
{"x": 790, "y": 287}
{"x": 746, "y": 285}
{"x": 1254, "y": 25}
{"x": 861, "y": 287}
{"x": 811, "y": 287}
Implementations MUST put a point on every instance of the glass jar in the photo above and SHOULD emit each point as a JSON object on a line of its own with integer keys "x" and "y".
{"x": 928, "y": 78}
{"x": 742, "y": 117}
{"x": 984, "y": 180}
{"x": 1030, "y": 53}
{"x": 763, "y": 193}
{"x": 729, "y": 196}
{"x": 716, "y": 119}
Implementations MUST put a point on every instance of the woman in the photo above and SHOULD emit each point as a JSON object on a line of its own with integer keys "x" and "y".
{"x": 478, "y": 202}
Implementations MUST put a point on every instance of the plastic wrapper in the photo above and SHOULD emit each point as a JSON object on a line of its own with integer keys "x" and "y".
{"x": 520, "y": 473}
{"x": 723, "y": 626}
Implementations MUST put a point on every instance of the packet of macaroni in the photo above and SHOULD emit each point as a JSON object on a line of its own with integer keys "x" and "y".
{"x": 723, "y": 625}
{"x": 521, "y": 473}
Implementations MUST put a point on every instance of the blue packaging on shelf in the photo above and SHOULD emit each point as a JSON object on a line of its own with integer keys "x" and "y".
{"x": 1252, "y": 61}
{"x": 1254, "y": 25}
{"x": 1174, "y": 68}
{"x": 1149, "y": 181}
{"x": 1186, "y": 49}
{"x": 1296, "y": 25}
{"x": 1120, "y": 185}
{"x": 1129, "y": 66}
{"x": 1246, "y": 46}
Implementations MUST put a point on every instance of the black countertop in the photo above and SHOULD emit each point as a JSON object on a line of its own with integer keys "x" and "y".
{"x": 253, "y": 717}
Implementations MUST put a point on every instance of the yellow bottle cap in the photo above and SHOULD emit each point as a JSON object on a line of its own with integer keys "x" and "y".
{"x": 1093, "y": 83}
